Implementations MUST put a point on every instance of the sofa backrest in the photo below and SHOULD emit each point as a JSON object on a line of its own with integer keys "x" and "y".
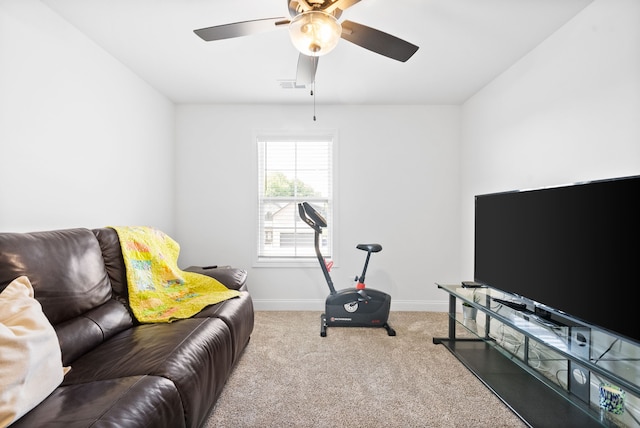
{"x": 113, "y": 261}
{"x": 70, "y": 280}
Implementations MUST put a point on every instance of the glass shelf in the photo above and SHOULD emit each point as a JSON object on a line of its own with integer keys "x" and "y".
{"x": 543, "y": 338}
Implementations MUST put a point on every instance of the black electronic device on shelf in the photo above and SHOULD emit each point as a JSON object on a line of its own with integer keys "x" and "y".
{"x": 472, "y": 284}
{"x": 518, "y": 306}
{"x": 352, "y": 307}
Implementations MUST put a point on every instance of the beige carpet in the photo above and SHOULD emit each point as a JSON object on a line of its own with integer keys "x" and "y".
{"x": 289, "y": 376}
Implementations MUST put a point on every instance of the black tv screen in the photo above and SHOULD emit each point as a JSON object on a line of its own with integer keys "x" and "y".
{"x": 572, "y": 248}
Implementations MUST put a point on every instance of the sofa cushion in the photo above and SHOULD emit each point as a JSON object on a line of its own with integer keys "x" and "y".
{"x": 113, "y": 260}
{"x": 238, "y": 314}
{"x": 65, "y": 268}
{"x": 195, "y": 354}
{"x": 30, "y": 358}
{"x": 130, "y": 402}
{"x": 83, "y": 333}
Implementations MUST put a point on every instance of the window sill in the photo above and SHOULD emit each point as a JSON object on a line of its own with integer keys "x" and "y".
{"x": 285, "y": 263}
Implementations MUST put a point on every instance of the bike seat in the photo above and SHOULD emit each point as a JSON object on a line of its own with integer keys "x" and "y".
{"x": 370, "y": 248}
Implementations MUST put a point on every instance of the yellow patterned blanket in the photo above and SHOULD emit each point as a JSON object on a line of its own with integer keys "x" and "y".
{"x": 158, "y": 290}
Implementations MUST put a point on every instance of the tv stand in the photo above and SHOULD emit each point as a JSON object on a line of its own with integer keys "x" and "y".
{"x": 544, "y": 365}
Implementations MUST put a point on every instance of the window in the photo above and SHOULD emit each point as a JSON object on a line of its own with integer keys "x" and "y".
{"x": 292, "y": 170}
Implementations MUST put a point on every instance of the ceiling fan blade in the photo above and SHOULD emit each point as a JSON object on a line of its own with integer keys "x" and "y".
{"x": 306, "y": 72}
{"x": 378, "y": 41}
{"x": 340, "y": 4}
{"x": 239, "y": 29}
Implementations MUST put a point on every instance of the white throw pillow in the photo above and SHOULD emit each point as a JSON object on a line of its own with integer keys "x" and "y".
{"x": 30, "y": 357}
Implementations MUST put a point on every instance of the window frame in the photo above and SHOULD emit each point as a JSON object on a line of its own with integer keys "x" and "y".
{"x": 331, "y": 230}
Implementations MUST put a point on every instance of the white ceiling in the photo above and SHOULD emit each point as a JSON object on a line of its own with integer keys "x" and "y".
{"x": 464, "y": 44}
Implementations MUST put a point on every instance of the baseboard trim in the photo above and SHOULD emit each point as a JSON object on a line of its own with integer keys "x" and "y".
{"x": 318, "y": 305}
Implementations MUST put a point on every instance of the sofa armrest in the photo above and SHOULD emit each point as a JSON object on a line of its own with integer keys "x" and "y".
{"x": 232, "y": 278}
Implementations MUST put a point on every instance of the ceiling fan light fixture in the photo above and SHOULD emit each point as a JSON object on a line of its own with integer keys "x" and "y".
{"x": 315, "y": 33}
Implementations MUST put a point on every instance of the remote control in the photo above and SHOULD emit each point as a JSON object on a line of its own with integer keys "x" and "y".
{"x": 471, "y": 284}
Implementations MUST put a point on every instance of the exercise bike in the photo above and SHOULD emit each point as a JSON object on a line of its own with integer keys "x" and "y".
{"x": 351, "y": 307}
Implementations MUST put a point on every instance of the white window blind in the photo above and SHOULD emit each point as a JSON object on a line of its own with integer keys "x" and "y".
{"x": 292, "y": 170}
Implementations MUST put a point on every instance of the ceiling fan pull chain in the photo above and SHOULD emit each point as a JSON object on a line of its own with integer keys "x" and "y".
{"x": 313, "y": 93}
{"x": 312, "y": 74}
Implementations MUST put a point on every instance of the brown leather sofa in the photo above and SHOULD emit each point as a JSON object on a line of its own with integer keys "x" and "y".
{"x": 123, "y": 374}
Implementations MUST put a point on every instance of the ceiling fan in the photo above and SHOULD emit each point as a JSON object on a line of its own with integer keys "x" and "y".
{"x": 315, "y": 31}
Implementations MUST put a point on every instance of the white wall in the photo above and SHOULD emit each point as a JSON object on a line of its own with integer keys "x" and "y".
{"x": 568, "y": 111}
{"x": 398, "y": 185}
{"x": 83, "y": 141}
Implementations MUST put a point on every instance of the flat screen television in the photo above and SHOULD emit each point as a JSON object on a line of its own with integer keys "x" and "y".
{"x": 572, "y": 248}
